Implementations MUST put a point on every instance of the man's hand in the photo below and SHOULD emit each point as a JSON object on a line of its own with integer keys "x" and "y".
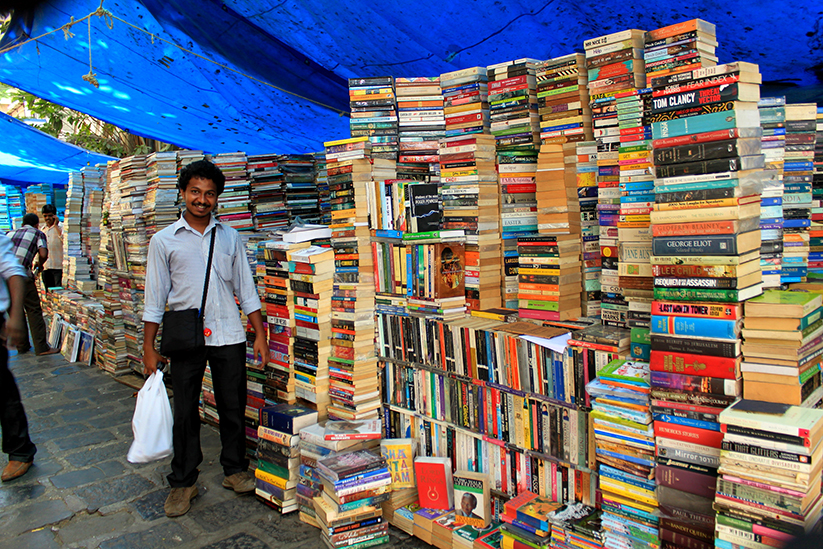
{"x": 150, "y": 359}
{"x": 261, "y": 349}
{"x": 15, "y": 332}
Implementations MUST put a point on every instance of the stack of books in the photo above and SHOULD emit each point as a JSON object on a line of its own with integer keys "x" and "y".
{"x": 625, "y": 453}
{"x": 768, "y": 491}
{"x": 436, "y": 288}
{"x": 278, "y": 456}
{"x": 549, "y": 279}
{"x": 234, "y": 206}
{"x": 467, "y": 167}
{"x": 576, "y": 525}
{"x": 208, "y": 402}
{"x": 782, "y": 349}
{"x": 316, "y": 443}
{"x": 816, "y": 231}
{"x": 5, "y": 221}
{"x": 773, "y": 146}
{"x": 422, "y": 125}
{"x": 466, "y": 107}
{"x": 679, "y": 48}
{"x": 302, "y": 193}
{"x": 37, "y": 196}
{"x": 311, "y": 271}
{"x": 268, "y": 192}
{"x": 159, "y": 204}
{"x": 636, "y": 190}
{"x": 374, "y": 114}
{"x": 514, "y": 123}
{"x": 586, "y": 171}
{"x": 16, "y": 202}
{"x": 73, "y": 258}
{"x": 321, "y": 181}
{"x": 354, "y": 485}
{"x": 94, "y": 180}
{"x": 558, "y": 208}
{"x": 278, "y": 301}
{"x": 615, "y": 65}
{"x": 526, "y": 521}
{"x": 562, "y": 98}
{"x": 798, "y": 170}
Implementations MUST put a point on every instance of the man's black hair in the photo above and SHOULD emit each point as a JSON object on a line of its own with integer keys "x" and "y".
{"x": 49, "y": 209}
{"x": 31, "y": 219}
{"x": 205, "y": 170}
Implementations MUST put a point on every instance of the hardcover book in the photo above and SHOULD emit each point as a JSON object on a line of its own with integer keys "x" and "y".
{"x": 435, "y": 487}
{"x": 287, "y": 418}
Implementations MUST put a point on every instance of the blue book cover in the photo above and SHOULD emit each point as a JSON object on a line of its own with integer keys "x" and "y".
{"x": 725, "y": 120}
{"x": 708, "y": 425}
{"x": 697, "y": 327}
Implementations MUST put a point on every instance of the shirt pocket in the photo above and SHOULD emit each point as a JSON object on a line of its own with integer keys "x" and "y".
{"x": 223, "y": 266}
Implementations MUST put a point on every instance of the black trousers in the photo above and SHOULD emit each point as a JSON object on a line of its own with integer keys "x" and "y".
{"x": 228, "y": 370}
{"x": 16, "y": 441}
{"x": 52, "y": 278}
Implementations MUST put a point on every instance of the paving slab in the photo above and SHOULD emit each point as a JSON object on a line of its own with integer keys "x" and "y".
{"x": 239, "y": 541}
{"x": 115, "y": 490}
{"x": 38, "y": 514}
{"x": 170, "y": 534}
{"x": 94, "y": 527}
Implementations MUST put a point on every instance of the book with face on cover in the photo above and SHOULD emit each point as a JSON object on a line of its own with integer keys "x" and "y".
{"x": 471, "y": 497}
{"x": 435, "y": 487}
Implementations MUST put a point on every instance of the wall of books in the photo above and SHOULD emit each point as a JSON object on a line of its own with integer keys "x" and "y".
{"x": 554, "y": 303}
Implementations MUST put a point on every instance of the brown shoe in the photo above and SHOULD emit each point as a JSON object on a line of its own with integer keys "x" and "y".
{"x": 242, "y": 483}
{"x": 15, "y": 469}
{"x": 179, "y": 501}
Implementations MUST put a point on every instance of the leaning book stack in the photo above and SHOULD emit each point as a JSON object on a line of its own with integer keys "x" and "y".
{"x": 268, "y": 194}
{"x": 374, "y": 114}
{"x": 768, "y": 491}
{"x": 354, "y": 486}
{"x": 234, "y": 208}
{"x": 311, "y": 273}
{"x": 422, "y": 124}
{"x": 773, "y": 145}
{"x": 354, "y": 391}
{"x": 782, "y": 349}
{"x": 625, "y": 443}
{"x": 816, "y": 230}
{"x": 798, "y": 169}
{"x": 586, "y": 171}
{"x": 278, "y": 455}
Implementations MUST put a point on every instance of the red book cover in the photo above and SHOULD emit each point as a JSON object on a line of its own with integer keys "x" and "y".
{"x": 704, "y": 437}
{"x": 434, "y": 482}
{"x": 701, "y": 365}
{"x": 686, "y": 229}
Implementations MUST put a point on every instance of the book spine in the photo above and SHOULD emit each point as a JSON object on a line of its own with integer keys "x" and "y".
{"x": 697, "y": 124}
{"x": 697, "y": 294}
{"x": 696, "y": 327}
{"x": 702, "y": 245}
{"x": 683, "y": 382}
{"x": 692, "y": 364}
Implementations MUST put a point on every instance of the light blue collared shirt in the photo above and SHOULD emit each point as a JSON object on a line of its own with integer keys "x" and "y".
{"x": 176, "y": 271}
{"x": 9, "y": 266}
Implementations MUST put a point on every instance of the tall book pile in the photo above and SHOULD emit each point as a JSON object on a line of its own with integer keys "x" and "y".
{"x": 798, "y": 169}
{"x": 131, "y": 184}
{"x": 466, "y": 107}
{"x": 94, "y": 179}
{"x": 422, "y": 124}
{"x": 186, "y": 157}
{"x": 234, "y": 206}
{"x": 625, "y": 449}
{"x": 636, "y": 201}
{"x": 549, "y": 276}
{"x": 353, "y": 365}
{"x": 467, "y": 169}
{"x": 5, "y": 221}
{"x": 268, "y": 193}
{"x": 16, "y": 202}
{"x": 679, "y": 49}
{"x": 773, "y": 145}
{"x": 816, "y": 231}
{"x": 159, "y": 204}
{"x": 302, "y": 193}
{"x": 768, "y": 491}
{"x": 73, "y": 259}
{"x": 514, "y": 122}
{"x": 614, "y": 65}
{"x": 37, "y": 196}
{"x": 321, "y": 181}
{"x": 374, "y": 114}
{"x": 278, "y": 303}
{"x": 311, "y": 271}
{"x": 318, "y": 442}
{"x": 586, "y": 172}
{"x": 783, "y": 344}
{"x": 111, "y": 337}
{"x": 353, "y": 489}
{"x": 278, "y": 455}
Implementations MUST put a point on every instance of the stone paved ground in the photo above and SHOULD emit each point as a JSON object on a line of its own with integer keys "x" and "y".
{"x": 81, "y": 491}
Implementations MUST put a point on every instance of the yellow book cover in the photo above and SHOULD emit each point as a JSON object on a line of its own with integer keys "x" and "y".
{"x": 399, "y": 456}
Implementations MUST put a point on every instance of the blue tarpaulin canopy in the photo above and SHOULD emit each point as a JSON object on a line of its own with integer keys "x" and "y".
{"x": 29, "y": 156}
{"x": 270, "y": 76}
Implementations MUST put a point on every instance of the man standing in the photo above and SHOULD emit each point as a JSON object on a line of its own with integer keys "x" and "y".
{"x": 29, "y": 243}
{"x": 15, "y": 427}
{"x": 53, "y": 229}
{"x": 175, "y": 275}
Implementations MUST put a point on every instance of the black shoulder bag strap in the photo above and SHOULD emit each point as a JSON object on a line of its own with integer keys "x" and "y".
{"x": 208, "y": 274}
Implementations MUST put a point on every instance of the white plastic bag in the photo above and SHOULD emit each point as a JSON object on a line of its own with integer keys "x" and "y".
{"x": 152, "y": 422}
